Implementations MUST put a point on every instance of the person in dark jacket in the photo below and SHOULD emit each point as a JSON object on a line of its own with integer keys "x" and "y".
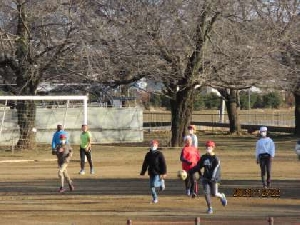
{"x": 211, "y": 175}
{"x": 155, "y": 163}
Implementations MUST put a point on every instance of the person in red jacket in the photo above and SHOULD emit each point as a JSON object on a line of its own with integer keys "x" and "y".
{"x": 189, "y": 157}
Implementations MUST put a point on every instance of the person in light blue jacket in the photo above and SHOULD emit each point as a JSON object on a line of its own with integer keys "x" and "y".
{"x": 265, "y": 152}
{"x": 56, "y": 138}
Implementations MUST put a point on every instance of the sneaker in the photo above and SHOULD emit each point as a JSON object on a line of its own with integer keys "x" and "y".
{"x": 188, "y": 192}
{"x": 82, "y": 172}
{"x": 154, "y": 201}
{"x": 61, "y": 190}
{"x": 194, "y": 195}
{"x": 71, "y": 187}
{"x": 210, "y": 210}
{"x": 163, "y": 185}
{"x": 92, "y": 171}
{"x": 223, "y": 200}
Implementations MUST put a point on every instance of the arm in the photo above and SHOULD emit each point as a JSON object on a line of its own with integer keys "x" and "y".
{"x": 182, "y": 159}
{"x": 163, "y": 165}
{"x": 257, "y": 151}
{"x": 54, "y": 141}
{"x": 272, "y": 149}
{"x": 89, "y": 144}
{"x": 196, "y": 141}
{"x": 144, "y": 166}
{"x": 217, "y": 167}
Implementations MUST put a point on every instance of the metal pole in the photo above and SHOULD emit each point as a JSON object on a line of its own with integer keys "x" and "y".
{"x": 271, "y": 220}
{"x": 197, "y": 221}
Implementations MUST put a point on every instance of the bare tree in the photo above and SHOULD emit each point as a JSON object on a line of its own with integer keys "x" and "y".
{"x": 282, "y": 18}
{"x": 239, "y": 57}
{"x": 35, "y": 36}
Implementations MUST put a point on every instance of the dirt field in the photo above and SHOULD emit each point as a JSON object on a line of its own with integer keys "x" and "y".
{"x": 28, "y": 189}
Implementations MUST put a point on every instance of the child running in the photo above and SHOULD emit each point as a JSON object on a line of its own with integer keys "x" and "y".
{"x": 155, "y": 163}
{"x": 211, "y": 176}
{"x": 64, "y": 154}
{"x": 189, "y": 157}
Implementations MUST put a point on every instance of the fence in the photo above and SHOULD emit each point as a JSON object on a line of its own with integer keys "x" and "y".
{"x": 283, "y": 118}
{"x": 198, "y": 221}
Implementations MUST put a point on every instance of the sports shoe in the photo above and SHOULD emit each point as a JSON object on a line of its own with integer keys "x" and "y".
{"x": 194, "y": 195}
{"x": 163, "y": 185}
{"x": 71, "y": 187}
{"x": 209, "y": 210}
{"x": 82, "y": 172}
{"x": 188, "y": 192}
{"x": 92, "y": 171}
{"x": 154, "y": 201}
{"x": 61, "y": 190}
{"x": 223, "y": 200}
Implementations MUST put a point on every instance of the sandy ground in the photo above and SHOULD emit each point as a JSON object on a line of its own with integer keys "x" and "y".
{"x": 116, "y": 193}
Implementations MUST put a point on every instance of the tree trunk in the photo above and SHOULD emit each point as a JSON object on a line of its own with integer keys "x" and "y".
{"x": 232, "y": 106}
{"x": 181, "y": 108}
{"x": 26, "y": 78}
{"x": 297, "y": 113}
{"x": 26, "y": 121}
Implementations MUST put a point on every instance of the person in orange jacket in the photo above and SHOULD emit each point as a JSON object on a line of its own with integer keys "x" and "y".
{"x": 189, "y": 157}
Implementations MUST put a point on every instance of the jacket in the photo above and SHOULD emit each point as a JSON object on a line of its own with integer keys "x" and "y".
{"x": 189, "y": 157}
{"x": 64, "y": 154}
{"x": 155, "y": 163}
{"x": 211, "y": 165}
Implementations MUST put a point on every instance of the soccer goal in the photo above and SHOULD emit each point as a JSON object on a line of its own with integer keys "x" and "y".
{"x": 27, "y": 120}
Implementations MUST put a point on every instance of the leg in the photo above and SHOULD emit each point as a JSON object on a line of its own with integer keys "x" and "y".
{"x": 187, "y": 183}
{"x": 206, "y": 190}
{"x": 262, "y": 164}
{"x": 268, "y": 167}
{"x": 194, "y": 185}
{"x": 82, "y": 160}
{"x": 61, "y": 175}
{"x": 89, "y": 159}
{"x": 215, "y": 192}
{"x": 67, "y": 177}
{"x": 154, "y": 182}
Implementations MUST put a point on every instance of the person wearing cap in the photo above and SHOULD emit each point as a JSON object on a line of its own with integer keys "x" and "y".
{"x": 64, "y": 153}
{"x": 191, "y": 133}
{"x": 265, "y": 152}
{"x": 189, "y": 157}
{"x": 85, "y": 149}
{"x": 211, "y": 175}
{"x": 155, "y": 163}
{"x": 56, "y": 137}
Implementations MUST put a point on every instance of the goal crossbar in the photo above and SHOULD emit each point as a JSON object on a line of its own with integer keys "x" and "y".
{"x": 84, "y": 98}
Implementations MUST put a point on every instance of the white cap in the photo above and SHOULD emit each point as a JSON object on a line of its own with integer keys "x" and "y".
{"x": 263, "y": 129}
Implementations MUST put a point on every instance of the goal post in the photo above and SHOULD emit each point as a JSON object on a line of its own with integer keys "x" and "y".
{"x": 84, "y": 98}
{"x": 27, "y": 120}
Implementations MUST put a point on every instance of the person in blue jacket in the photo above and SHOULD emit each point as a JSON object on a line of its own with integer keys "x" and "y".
{"x": 56, "y": 138}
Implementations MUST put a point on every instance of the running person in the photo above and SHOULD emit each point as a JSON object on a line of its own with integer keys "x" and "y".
{"x": 64, "y": 154}
{"x": 189, "y": 157}
{"x": 211, "y": 175}
{"x": 156, "y": 165}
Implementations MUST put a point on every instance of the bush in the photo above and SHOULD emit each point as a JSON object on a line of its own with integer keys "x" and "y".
{"x": 272, "y": 100}
{"x": 207, "y": 101}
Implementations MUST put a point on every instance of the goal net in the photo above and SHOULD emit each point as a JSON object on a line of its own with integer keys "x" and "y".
{"x": 30, "y": 120}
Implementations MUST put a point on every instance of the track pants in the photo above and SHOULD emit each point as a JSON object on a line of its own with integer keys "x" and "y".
{"x": 63, "y": 174}
{"x": 265, "y": 163}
